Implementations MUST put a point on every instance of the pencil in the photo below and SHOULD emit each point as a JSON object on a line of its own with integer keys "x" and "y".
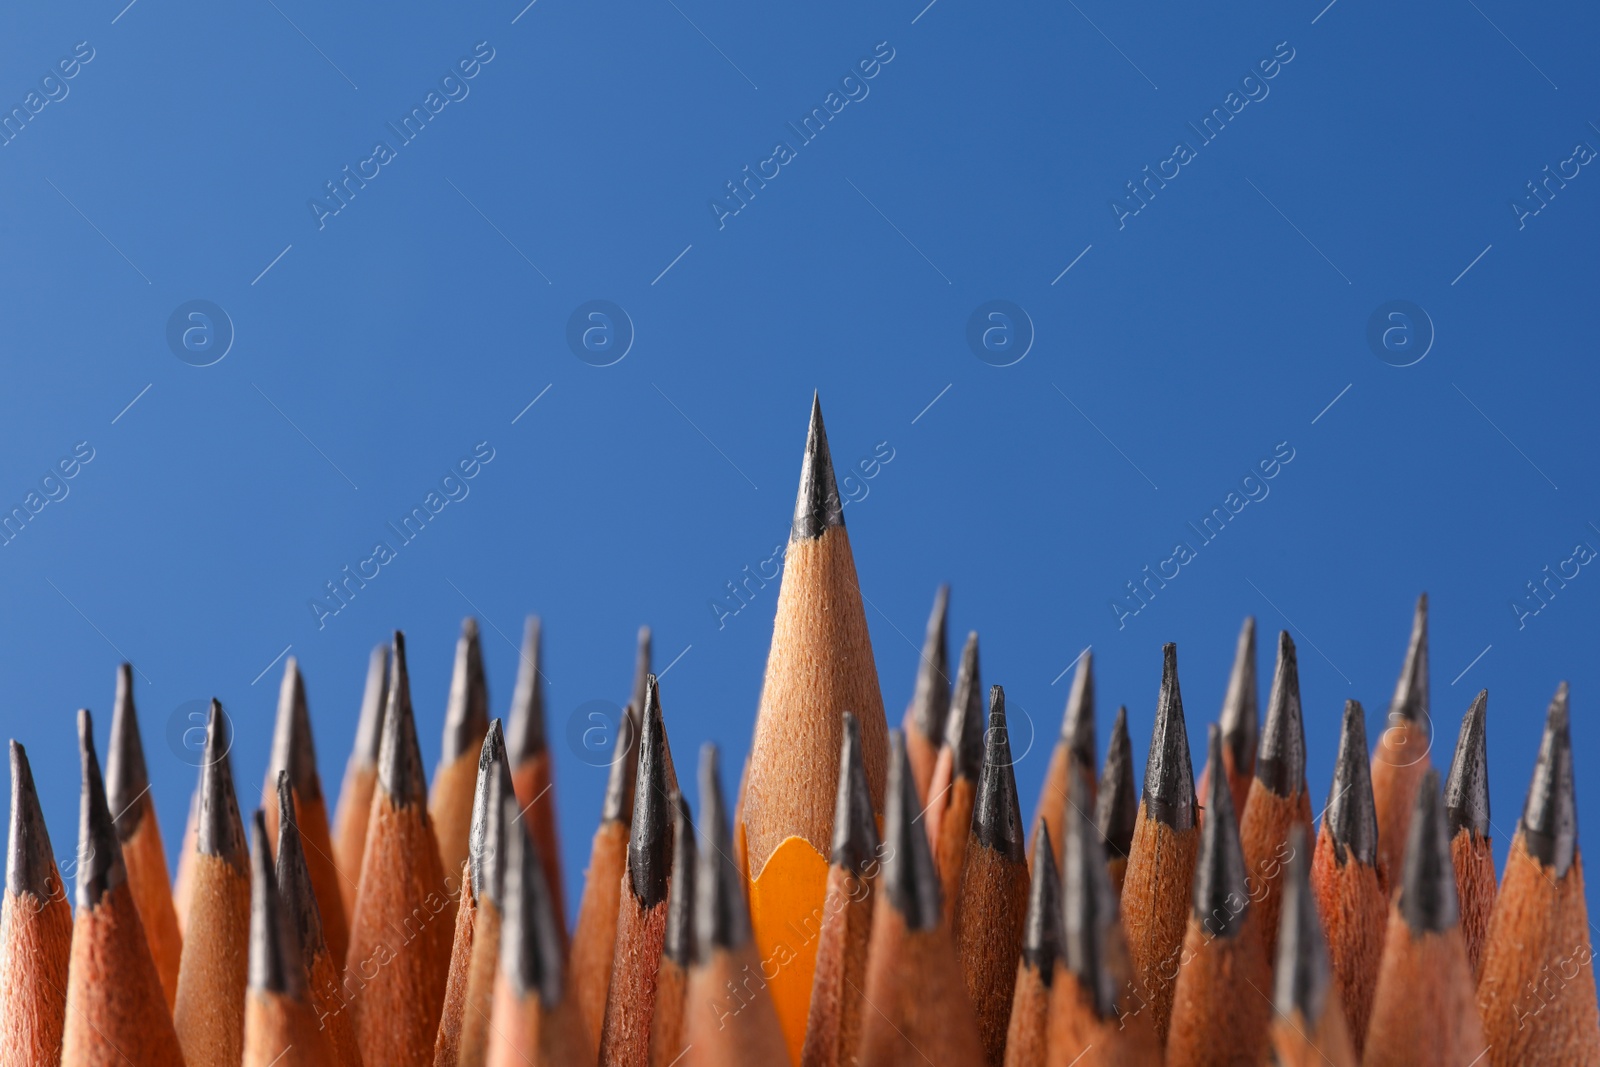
{"x": 466, "y": 720}
{"x": 532, "y": 770}
{"x": 1309, "y": 1027}
{"x": 360, "y": 778}
{"x": 463, "y": 1021}
{"x": 642, "y": 909}
{"x": 1116, "y": 805}
{"x": 139, "y": 831}
{"x": 35, "y": 931}
{"x": 293, "y": 750}
{"x": 955, "y": 777}
{"x": 677, "y": 947}
{"x": 400, "y": 938}
{"x": 1537, "y": 992}
{"x": 594, "y": 935}
{"x": 919, "y": 1004}
{"x": 1401, "y": 757}
{"x": 116, "y": 1013}
{"x": 279, "y": 1028}
{"x": 209, "y": 1012}
{"x": 1424, "y": 1013}
{"x": 820, "y": 663}
{"x": 1161, "y": 857}
{"x": 993, "y": 902}
{"x": 1223, "y": 972}
{"x": 833, "y": 1026}
{"x": 183, "y": 880}
{"x": 1349, "y": 879}
{"x": 536, "y": 1022}
{"x": 1074, "y": 752}
{"x": 299, "y": 900}
{"x": 930, "y": 700}
{"x": 1240, "y": 720}
{"x": 1466, "y": 809}
{"x": 1028, "y": 1033}
{"x": 1279, "y": 800}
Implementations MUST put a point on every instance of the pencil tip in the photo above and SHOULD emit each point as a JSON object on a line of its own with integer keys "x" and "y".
{"x": 618, "y": 804}
{"x": 855, "y": 831}
{"x": 1221, "y": 896}
{"x": 1281, "y": 760}
{"x": 1466, "y": 790}
{"x": 818, "y": 505}
{"x": 400, "y": 773}
{"x": 30, "y": 865}
{"x": 907, "y": 874}
{"x": 1304, "y": 973}
{"x": 1352, "y": 814}
{"x": 292, "y": 746}
{"x": 275, "y": 965}
{"x": 1089, "y": 903}
{"x": 374, "y": 700}
{"x": 1428, "y": 887}
{"x": 964, "y": 728}
{"x": 650, "y": 838}
{"x": 219, "y": 831}
{"x": 466, "y": 717}
{"x": 1240, "y": 719}
{"x": 1117, "y": 801}
{"x": 294, "y": 877}
{"x": 930, "y": 701}
{"x": 127, "y": 776}
{"x": 722, "y": 918}
{"x": 530, "y": 954}
{"x": 678, "y": 945}
{"x": 1168, "y": 776}
{"x": 1077, "y": 724}
{"x": 100, "y": 868}
{"x": 525, "y": 736}
{"x": 1410, "y": 703}
{"x": 1042, "y": 928}
{"x": 486, "y": 839}
{"x": 1550, "y": 816}
{"x": 996, "y": 814}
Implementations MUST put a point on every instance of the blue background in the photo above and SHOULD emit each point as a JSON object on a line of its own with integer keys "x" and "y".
{"x": 1175, "y": 353}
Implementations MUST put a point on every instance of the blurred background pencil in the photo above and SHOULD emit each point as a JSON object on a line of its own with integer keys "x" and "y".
{"x": 1466, "y": 808}
{"x": 35, "y": 931}
{"x": 1309, "y": 1027}
{"x": 1028, "y": 1030}
{"x": 677, "y": 947}
{"x": 1074, "y": 753}
{"x": 466, "y": 720}
{"x": 1240, "y": 721}
{"x": 279, "y": 1027}
{"x": 930, "y": 700}
{"x": 532, "y": 771}
{"x": 360, "y": 779}
{"x": 1116, "y": 804}
{"x": 1400, "y": 758}
{"x": 954, "y": 786}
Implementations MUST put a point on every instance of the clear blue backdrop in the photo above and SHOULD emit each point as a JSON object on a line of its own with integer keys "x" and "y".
{"x": 1381, "y": 164}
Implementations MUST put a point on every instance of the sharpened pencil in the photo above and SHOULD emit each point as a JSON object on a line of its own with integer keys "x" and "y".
{"x": 532, "y": 770}
{"x": 677, "y": 948}
{"x": 930, "y": 700}
{"x": 35, "y": 931}
{"x": 360, "y": 779}
{"x": 1466, "y": 808}
{"x": 1028, "y": 1032}
{"x": 466, "y": 720}
{"x": 1400, "y": 758}
{"x": 280, "y": 1029}
{"x": 1074, "y": 752}
{"x": 955, "y": 776}
{"x": 1240, "y": 721}
{"x": 1309, "y": 1027}
{"x": 183, "y": 880}
{"x": 1116, "y": 805}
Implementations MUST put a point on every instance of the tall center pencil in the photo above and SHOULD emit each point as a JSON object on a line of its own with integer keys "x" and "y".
{"x": 819, "y": 666}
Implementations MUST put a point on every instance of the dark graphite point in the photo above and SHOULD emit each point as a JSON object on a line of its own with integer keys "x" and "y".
{"x": 275, "y": 965}
{"x": 292, "y": 747}
{"x": 466, "y": 717}
{"x": 678, "y": 945}
{"x": 1351, "y": 814}
{"x": 486, "y": 839}
{"x": 530, "y": 941}
{"x": 963, "y": 731}
{"x": 1466, "y": 791}
{"x": 400, "y": 775}
{"x": 1077, "y": 723}
{"x": 1221, "y": 896}
{"x": 1281, "y": 760}
{"x": 30, "y": 865}
{"x": 1410, "y": 703}
{"x": 219, "y": 831}
{"x": 818, "y": 506}
{"x": 996, "y": 814}
{"x": 294, "y": 877}
{"x": 1304, "y": 973}
{"x": 1041, "y": 930}
{"x": 855, "y": 831}
{"x": 1240, "y": 719}
{"x": 1168, "y": 777}
{"x": 930, "y": 701}
{"x": 127, "y": 777}
{"x": 1117, "y": 802}
{"x": 1089, "y": 904}
{"x": 1428, "y": 888}
{"x": 525, "y": 737}
{"x": 618, "y": 804}
{"x": 1550, "y": 816}
{"x": 907, "y": 876}
{"x": 650, "y": 838}
{"x": 374, "y": 699}
{"x": 100, "y": 868}
{"x": 721, "y": 916}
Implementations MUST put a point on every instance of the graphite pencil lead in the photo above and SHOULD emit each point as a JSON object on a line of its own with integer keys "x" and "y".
{"x": 127, "y": 776}
{"x": 292, "y": 747}
{"x": 1466, "y": 790}
{"x": 996, "y": 815}
{"x": 1077, "y": 724}
{"x": 1281, "y": 760}
{"x": 220, "y": 830}
{"x": 100, "y": 868}
{"x": 275, "y": 964}
{"x": 1042, "y": 934}
{"x": 295, "y": 891}
{"x": 1117, "y": 801}
{"x": 818, "y": 505}
{"x": 30, "y": 865}
{"x": 1410, "y": 702}
{"x": 910, "y": 883}
{"x": 722, "y": 918}
{"x": 1550, "y": 816}
{"x": 374, "y": 700}
{"x": 855, "y": 831}
{"x": 1168, "y": 777}
{"x": 530, "y": 954}
{"x": 1221, "y": 895}
{"x": 963, "y": 732}
{"x": 678, "y": 943}
{"x": 618, "y": 805}
{"x": 650, "y": 838}
{"x": 486, "y": 840}
{"x": 1351, "y": 814}
{"x": 930, "y": 701}
{"x": 1304, "y": 972}
{"x": 1428, "y": 887}
{"x": 1241, "y": 722}
{"x": 1089, "y": 904}
{"x": 466, "y": 717}
{"x": 525, "y": 736}
{"x": 400, "y": 773}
